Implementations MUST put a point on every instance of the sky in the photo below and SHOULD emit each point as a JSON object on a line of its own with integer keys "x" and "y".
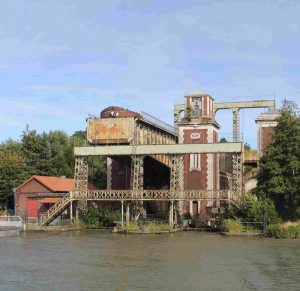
{"x": 62, "y": 60}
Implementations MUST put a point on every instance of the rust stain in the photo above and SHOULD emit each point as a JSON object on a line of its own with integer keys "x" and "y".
{"x": 110, "y": 129}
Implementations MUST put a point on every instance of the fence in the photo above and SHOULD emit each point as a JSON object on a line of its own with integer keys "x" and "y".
{"x": 11, "y": 222}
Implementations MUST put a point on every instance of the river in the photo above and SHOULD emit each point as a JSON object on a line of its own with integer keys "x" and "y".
{"x": 93, "y": 260}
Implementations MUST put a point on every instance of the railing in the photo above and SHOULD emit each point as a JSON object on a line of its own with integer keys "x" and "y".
{"x": 54, "y": 210}
{"x": 11, "y": 221}
{"x": 153, "y": 195}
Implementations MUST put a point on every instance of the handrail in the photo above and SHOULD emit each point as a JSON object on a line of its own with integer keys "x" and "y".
{"x": 154, "y": 195}
{"x": 45, "y": 217}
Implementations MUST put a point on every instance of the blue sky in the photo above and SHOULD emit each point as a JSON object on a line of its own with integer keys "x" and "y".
{"x": 62, "y": 60}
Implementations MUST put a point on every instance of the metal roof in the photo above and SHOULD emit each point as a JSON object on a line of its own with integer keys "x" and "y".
{"x": 197, "y": 93}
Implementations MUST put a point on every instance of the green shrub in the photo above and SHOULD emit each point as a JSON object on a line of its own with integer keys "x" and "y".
{"x": 157, "y": 227}
{"x": 277, "y": 231}
{"x": 231, "y": 225}
{"x": 131, "y": 226}
{"x": 95, "y": 217}
{"x": 294, "y": 231}
{"x": 252, "y": 209}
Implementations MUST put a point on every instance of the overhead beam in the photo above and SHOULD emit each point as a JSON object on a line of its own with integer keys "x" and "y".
{"x": 127, "y": 150}
{"x": 245, "y": 104}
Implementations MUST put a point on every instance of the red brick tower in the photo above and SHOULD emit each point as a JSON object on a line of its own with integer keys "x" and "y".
{"x": 201, "y": 171}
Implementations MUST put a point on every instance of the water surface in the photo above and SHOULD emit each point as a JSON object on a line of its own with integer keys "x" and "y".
{"x": 91, "y": 260}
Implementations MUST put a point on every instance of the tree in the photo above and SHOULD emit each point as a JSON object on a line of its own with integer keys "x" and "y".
{"x": 12, "y": 166}
{"x": 279, "y": 174}
{"x": 36, "y": 152}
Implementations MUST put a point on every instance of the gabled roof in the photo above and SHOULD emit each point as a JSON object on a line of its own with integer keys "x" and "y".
{"x": 54, "y": 184}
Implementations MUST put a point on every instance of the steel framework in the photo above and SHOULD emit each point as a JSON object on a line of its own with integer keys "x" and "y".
{"x": 236, "y": 131}
{"x": 81, "y": 180}
{"x": 237, "y": 173}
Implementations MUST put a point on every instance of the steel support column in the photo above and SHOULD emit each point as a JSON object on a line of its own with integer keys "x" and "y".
{"x": 81, "y": 180}
{"x": 127, "y": 213}
{"x": 122, "y": 212}
{"x": 237, "y": 174}
{"x": 236, "y": 130}
{"x": 171, "y": 214}
{"x": 177, "y": 181}
{"x": 71, "y": 211}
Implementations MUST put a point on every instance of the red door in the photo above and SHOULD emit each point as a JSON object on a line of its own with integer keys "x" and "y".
{"x": 32, "y": 208}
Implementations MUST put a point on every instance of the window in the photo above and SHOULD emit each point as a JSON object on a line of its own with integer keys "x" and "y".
{"x": 195, "y": 162}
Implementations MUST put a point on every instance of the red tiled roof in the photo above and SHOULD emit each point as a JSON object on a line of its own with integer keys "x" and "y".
{"x": 54, "y": 184}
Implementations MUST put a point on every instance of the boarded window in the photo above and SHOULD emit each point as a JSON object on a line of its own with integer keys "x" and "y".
{"x": 195, "y": 162}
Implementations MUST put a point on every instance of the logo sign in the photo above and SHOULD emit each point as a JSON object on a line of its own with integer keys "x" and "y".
{"x": 195, "y": 135}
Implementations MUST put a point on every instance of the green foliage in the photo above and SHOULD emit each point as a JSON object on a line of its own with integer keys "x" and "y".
{"x": 12, "y": 167}
{"x": 95, "y": 217}
{"x": 49, "y": 154}
{"x": 131, "y": 226}
{"x": 279, "y": 175}
{"x": 150, "y": 227}
{"x": 232, "y": 225}
{"x": 153, "y": 227}
{"x": 252, "y": 209}
{"x": 279, "y": 231}
{"x": 188, "y": 113}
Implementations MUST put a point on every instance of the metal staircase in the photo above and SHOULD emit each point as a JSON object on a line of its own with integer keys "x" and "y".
{"x": 55, "y": 210}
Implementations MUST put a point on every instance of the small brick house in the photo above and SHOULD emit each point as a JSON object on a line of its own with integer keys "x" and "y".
{"x": 38, "y": 193}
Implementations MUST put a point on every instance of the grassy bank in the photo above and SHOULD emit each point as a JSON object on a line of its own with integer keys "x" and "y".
{"x": 235, "y": 226}
{"x": 284, "y": 230}
{"x": 148, "y": 228}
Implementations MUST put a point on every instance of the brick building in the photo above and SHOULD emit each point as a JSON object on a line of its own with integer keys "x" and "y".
{"x": 266, "y": 122}
{"x": 38, "y": 193}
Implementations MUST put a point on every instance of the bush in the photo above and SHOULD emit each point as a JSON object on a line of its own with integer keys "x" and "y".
{"x": 231, "y": 225}
{"x": 277, "y": 231}
{"x": 95, "y": 217}
{"x": 283, "y": 231}
{"x": 152, "y": 227}
{"x": 252, "y": 209}
{"x": 131, "y": 226}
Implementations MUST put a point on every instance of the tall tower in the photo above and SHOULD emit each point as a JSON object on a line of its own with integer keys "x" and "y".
{"x": 198, "y": 125}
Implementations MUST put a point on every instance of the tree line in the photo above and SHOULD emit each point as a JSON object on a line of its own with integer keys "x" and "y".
{"x": 49, "y": 154}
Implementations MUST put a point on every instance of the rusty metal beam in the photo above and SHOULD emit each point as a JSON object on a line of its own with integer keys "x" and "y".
{"x": 166, "y": 149}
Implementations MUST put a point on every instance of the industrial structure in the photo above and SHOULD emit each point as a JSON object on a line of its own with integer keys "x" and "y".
{"x": 154, "y": 167}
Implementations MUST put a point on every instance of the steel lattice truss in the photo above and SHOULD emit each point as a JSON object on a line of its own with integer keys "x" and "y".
{"x": 162, "y": 195}
{"x": 236, "y": 125}
{"x": 176, "y": 182}
{"x": 137, "y": 172}
{"x": 237, "y": 173}
{"x": 81, "y": 179}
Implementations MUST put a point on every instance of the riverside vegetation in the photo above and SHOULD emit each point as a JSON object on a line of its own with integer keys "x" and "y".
{"x": 278, "y": 189}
